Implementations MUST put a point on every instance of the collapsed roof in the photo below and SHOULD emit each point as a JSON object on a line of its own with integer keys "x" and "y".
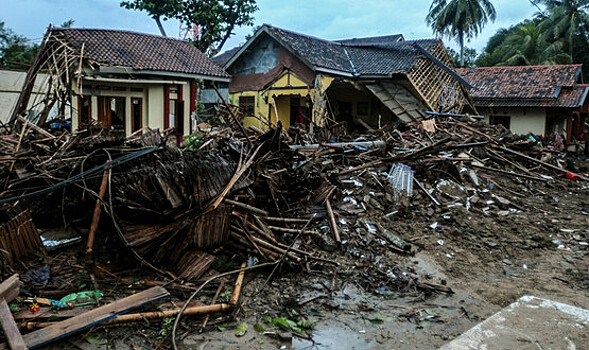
{"x": 363, "y": 57}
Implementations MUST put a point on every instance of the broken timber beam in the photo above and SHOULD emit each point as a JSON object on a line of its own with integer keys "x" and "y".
{"x": 94, "y": 317}
{"x": 15, "y": 339}
{"x": 549, "y": 166}
{"x": 36, "y": 128}
{"x": 239, "y": 124}
{"x": 9, "y": 290}
{"x": 315, "y": 146}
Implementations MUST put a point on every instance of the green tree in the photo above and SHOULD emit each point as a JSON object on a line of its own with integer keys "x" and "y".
{"x": 565, "y": 20}
{"x": 215, "y": 19}
{"x": 460, "y": 19}
{"x": 158, "y": 9}
{"x": 528, "y": 46}
{"x": 470, "y": 56}
{"x": 68, "y": 24}
{"x": 15, "y": 50}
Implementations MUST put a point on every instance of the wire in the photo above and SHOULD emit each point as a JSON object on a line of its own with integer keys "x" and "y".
{"x": 80, "y": 177}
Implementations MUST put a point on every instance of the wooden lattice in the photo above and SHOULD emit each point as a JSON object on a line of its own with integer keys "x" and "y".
{"x": 430, "y": 80}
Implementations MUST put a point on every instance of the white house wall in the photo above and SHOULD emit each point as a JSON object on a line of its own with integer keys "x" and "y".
{"x": 152, "y": 97}
{"x": 523, "y": 120}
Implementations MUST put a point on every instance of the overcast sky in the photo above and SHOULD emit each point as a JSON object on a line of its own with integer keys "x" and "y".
{"x": 328, "y": 19}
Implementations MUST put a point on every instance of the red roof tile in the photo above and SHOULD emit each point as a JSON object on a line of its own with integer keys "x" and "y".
{"x": 140, "y": 51}
{"x": 526, "y": 86}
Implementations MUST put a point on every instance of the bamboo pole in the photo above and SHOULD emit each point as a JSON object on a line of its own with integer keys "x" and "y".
{"x": 285, "y": 220}
{"x": 96, "y": 216}
{"x": 221, "y": 285}
{"x": 247, "y": 207}
{"x": 237, "y": 290}
{"x": 549, "y": 166}
{"x": 195, "y": 310}
{"x": 292, "y": 230}
{"x": 332, "y": 222}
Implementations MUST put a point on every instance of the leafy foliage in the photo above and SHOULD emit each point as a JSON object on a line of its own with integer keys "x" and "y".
{"x": 158, "y": 9}
{"x": 460, "y": 19}
{"x": 524, "y": 44}
{"x": 215, "y": 19}
{"x": 470, "y": 56}
{"x": 564, "y": 20}
{"x": 15, "y": 50}
{"x": 559, "y": 34}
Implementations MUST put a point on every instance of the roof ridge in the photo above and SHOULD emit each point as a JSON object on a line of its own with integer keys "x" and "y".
{"x": 521, "y": 67}
{"x": 303, "y": 35}
{"x": 60, "y": 29}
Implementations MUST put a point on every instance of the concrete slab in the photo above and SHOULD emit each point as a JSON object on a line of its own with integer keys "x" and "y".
{"x": 529, "y": 323}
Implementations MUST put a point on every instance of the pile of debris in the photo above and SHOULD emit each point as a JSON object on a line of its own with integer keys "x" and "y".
{"x": 294, "y": 197}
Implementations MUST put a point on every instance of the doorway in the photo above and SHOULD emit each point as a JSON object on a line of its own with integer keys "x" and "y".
{"x": 111, "y": 113}
{"x": 136, "y": 114}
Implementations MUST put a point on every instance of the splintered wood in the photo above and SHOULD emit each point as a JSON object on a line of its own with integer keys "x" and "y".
{"x": 18, "y": 237}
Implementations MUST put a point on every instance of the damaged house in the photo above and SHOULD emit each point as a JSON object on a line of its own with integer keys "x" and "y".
{"x": 279, "y": 75}
{"x": 532, "y": 99}
{"x": 122, "y": 79}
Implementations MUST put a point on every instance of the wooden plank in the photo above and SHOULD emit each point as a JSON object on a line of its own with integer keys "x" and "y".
{"x": 15, "y": 340}
{"x": 10, "y": 287}
{"x": 89, "y": 319}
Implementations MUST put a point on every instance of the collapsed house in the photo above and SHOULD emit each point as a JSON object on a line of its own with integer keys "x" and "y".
{"x": 122, "y": 79}
{"x": 279, "y": 75}
{"x": 535, "y": 99}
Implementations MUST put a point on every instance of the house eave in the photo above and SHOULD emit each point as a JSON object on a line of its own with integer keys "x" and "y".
{"x": 335, "y": 72}
{"x": 131, "y": 71}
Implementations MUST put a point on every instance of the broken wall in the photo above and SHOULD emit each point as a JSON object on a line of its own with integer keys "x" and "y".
{"x": 11, "y": 85}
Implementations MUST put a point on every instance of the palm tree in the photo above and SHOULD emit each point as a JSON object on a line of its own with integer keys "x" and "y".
{"x": 565, "y": 20}
{"x": 460, "y": 19}
{"x": 527, "y": 46}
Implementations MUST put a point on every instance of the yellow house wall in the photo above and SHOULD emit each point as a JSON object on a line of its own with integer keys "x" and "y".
{"x": 282, "y": 89}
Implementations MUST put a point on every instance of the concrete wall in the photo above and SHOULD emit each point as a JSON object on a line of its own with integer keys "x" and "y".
{"x": 262, "y": 57}
{"x": 152, "y": 96}
{"x": 522, "y": 120}
{"x": 11, "y": 84}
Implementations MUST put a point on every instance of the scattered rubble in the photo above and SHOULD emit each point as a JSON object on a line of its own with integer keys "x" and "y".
{"x": 306, "y": 199}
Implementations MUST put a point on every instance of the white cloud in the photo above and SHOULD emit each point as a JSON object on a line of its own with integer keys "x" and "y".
{"x": 329, "y": 19}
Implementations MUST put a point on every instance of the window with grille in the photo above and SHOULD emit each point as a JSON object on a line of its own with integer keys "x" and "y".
{"x": 247, "y": 104}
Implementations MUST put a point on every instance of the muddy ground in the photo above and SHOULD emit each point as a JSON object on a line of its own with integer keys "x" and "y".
{"x": 489, "y": 256}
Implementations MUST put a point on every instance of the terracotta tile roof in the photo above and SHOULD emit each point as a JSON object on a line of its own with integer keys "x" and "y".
{"x": 140, "y": 51}
{"x": 366, "y": 56}
{"x": 525, "y": 86}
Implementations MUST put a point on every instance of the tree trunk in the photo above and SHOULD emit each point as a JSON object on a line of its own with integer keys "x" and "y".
{"x": 225, "y": 37}
{"x": 461, "y": 43}
{"x": 160, "y": 26}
